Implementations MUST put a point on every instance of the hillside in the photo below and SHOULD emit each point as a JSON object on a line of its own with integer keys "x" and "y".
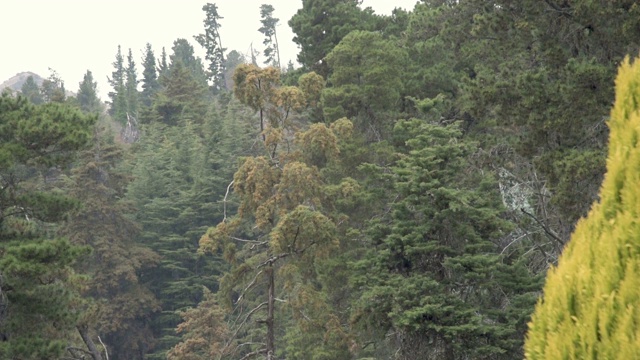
{"x": 15, "y": 82}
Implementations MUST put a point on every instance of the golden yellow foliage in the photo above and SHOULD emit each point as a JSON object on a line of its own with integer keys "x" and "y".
{"x": 318, "y": 144}
{"x": 204, "y": 332}
{"x": 591, "y": 303}
{"x": 342, "y": 128}
{"x": 311, "y": 85}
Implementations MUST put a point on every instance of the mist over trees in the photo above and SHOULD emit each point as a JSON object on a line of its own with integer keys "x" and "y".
{"x": 401, "y": 194}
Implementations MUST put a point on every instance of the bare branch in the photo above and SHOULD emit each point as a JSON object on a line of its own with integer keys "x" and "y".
{"x": 241, "y": 325}
{"x": 545, "y": 228}
{"x": 254, "y": 353}
{"x": 106, "y": 353}
{"x": 224, "y": 202}
{"x": 516, "y": 240}
{"x": 251, "y": 284}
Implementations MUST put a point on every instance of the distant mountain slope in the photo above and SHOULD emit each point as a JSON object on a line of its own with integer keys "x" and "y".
{"x": 15, "y": 82}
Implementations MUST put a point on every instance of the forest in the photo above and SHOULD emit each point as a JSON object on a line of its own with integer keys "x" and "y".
{"x": 402, "y": 194}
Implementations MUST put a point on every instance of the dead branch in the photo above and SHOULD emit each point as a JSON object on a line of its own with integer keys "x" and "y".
{"x": 224, "y": 202}
{"x": 548, "y": 231}
{"x": 251, "y": 284}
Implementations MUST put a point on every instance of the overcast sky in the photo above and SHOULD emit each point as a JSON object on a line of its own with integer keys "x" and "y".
{"x": 73, "y": 36}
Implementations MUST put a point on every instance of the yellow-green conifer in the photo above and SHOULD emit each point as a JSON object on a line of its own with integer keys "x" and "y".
{"x": 591, "y": 303}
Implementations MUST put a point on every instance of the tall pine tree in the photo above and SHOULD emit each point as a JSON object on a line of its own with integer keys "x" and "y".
{"x": 268, "y": 29}
{"x": 212, "y": 43}
{"x": 150, "y": 84}
{"x": 118, "y": 103}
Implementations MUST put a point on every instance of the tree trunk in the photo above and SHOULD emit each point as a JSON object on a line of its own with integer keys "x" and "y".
{"x": 275, "y": 36}
{"x": 84, "y": 333}
{"x": 271, "y": 347}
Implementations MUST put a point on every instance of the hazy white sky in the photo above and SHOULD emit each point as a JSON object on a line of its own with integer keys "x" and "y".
{"x": 73, "y": 36}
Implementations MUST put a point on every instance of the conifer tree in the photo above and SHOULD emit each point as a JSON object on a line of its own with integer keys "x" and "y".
{"x": 589, "y": 308}
{"x": 183, "y": 52}
{"x": 233, "y": 59}
{"x": 150, "y": 84}
{"x": 434, "y": 275}
{"x": 268, "y": 29}
{"x": 163, "y": 66}
{"x": 39, "y": 290}
{"x": 183, "y": 98}
{"x": 118, "y": 303}
{"x": 53, "y": 88}
{"x": 87, "y": 94}
{"x": 284, "y": 226}
{"x": 31, "y": 91}
{"x": 118, "y": 104}
{"x": 204, "y": 329}
{"x": 366, "y": 81}
{"x": 321, "y": 24}
{"x": 131, "y": 87}
{"x": 212, "y": 43}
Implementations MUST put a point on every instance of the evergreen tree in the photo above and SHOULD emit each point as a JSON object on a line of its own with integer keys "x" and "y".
{"x": 268, "y": 29}
{"x": 234, "y": 58}
{"x": 284, "y": 227}
{"x": 31, "y": 91}
{"x": 150, "y": 84}
{"x": 434, "y": 275}
{"x": 118, "y": 304}
{"x": 183, "y": 98}
{"x": 212, "y": 43}
{"x": 321, "y": 24}
{"x": 366, "y": 81}
{"x": 163, "y": 66}
{"x": 183, "y": 52}
{"x": 204, "y": 328}
{"x": 131, "y": 87}
{"x": 87, "y": 94}
{"x": 53, "y": 88}
{"x": 39, "y": 290}
{"x": 589, "y": 309}
{"x": 118, "y": 104}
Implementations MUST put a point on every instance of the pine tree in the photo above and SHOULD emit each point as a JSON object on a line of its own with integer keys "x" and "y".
{"x": 212, "y": 43}
{"x": 31, "y": 91}
{"x": 150, "y": 84}
{"x": 183, "y": 52}
{"x": 39, "y": 290}
{"x": 434, "y": 275}
{"x": 87, "y": 94}
{"x": 204, "y": 329}
{"x": 589, "y": 309}
{"x": 183, "y": 98}
{"x": 53, "y": 88}
{"x": 116, "y": 263}
{"x": 321, "y": 24}
{"x": 284, "y": 226}
{"x": 131, "y": 87}
{"x": 118, "y": 104}
{"x": 163, "y": 66}
{"x": 366, "y": 81}
{"x": 233, "y": 59}
{"x": 268, "y": 29}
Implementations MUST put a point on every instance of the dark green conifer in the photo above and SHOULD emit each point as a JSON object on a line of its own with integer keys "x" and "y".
{"x": 268, "y": 29}
{"x": 212, "y": 43}
{"x": 434, "y": 275}
{"x": 87, "y": 94}
{"x": 150, "y": 84}
{"x": 31, "y": 91}
{"x": 39, "y": 290}
{"x": 118, "y": 104}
